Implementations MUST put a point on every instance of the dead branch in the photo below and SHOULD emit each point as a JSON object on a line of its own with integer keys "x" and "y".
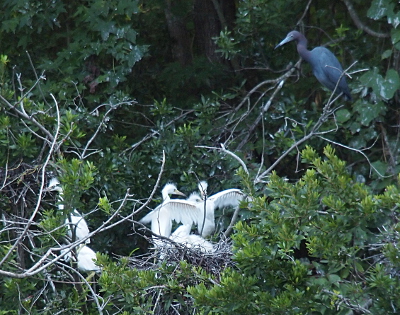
{"x": 31, "y": 219}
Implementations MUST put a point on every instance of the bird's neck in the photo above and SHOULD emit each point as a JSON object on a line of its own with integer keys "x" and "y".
{"x": 80, "y": 248}
{"x": 303, "y": 51}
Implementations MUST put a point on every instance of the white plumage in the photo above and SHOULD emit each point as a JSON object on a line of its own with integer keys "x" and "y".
{"x": 86, "y": 258}
{"x": 77, "y": 222}
{"x": 226, "y": 198}
{"x": 205, "y": 219}
{"x": 198, "y": 210}
{"x": 182, "y": 236}
{"x": 161, "y": 217}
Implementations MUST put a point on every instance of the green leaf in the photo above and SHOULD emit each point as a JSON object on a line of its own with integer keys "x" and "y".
{"x": 395, "y": 35}
{"x": 381, "y": 167}
{"x": 379, "y": 9}
{"x": 368, "y": 111}
{"x": 131, "y": 36}
{"x": 390, "y": 85}
{"x": 372, "y": 79}
{"x": 357, "y": 142}
{"x": 385, "y": 87}
{"x": 343, "y": 115}
{"x": 333, "y": 278}
{"x": 394, "y": 18}
{"x": 386, "y": 54}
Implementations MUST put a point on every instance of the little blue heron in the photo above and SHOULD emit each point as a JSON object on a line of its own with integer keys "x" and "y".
{"x": 324, "y": 64}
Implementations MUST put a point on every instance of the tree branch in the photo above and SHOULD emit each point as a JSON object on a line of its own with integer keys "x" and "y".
{"x": 31, "y": 219}
{"x": 359, "y": 24}
{"x": 326, "y": 112}
{"x": 27, "y": 117}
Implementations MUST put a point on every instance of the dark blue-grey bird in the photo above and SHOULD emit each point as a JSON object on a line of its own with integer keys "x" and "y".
{"x": 324, "y": 64}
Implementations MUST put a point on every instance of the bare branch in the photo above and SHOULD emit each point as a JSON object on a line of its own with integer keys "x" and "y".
{"x": 354, "y": 307}
{"x": 223, "y": 149}
{"x": 263, "y": 110}
{"x": 27, "y": 117}
{"x": 326, "y": 113}
{"x": 36, "y": 76}
{"x": 300, "y": 21}
{"x": 229, "y": 229}
{"x": 31, "y": 219}
{"x": 235, "y": 157}
{"x": 360, "y": 152}
{"x": 220, "y": 13}
{"x": 101, "y": 124}
{"x": 359, "y": 24}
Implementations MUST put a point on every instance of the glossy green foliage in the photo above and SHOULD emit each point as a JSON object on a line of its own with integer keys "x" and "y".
{"x": 387, "y": 9}
{"x": 153, "y": 290}
{"x": 310, "y": 246}
{"x": 382, "y": 87}
{"x": 92, "y": 44}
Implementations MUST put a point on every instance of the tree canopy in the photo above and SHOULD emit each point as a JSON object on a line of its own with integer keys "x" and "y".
{"x": 117, "y": 98}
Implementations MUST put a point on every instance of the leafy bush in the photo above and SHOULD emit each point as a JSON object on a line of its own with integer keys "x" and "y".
{"x": 315, "y": 247}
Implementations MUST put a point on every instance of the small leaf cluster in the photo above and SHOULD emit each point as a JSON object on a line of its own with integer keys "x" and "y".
{"x": 158, "y": 290}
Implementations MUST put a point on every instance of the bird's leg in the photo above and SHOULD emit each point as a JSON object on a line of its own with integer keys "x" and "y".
{"x": 72, "y": 227}
{"x": 203, "y": 192}
{"x": 204, "y": 214}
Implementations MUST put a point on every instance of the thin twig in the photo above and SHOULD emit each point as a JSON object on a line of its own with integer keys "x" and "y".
{"x": 360, "y": 152}
{"x": 31, "y": 219}
{"x": 27, "y": 117}
{"x": 326, "y": 112}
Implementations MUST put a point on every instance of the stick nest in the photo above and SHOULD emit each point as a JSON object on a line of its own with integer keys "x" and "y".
{"x": 212, "y": 262}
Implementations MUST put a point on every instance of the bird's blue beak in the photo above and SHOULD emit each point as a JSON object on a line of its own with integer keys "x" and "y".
{"x": 286, "y": 40}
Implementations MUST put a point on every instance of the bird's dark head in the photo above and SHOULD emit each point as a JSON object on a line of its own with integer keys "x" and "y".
{"x": 293, "y": 35}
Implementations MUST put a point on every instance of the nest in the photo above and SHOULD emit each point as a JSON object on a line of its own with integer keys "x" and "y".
{"x": 212, "y": 262}
{"x": 166, "y": 254}
{"x": 22, "y": 183}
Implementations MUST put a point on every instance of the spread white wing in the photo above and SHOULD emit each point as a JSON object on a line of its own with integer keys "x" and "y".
{"x": 227, "y": 198}
{"x": 179, "y": 210}
{"x": 194, "y": 210}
